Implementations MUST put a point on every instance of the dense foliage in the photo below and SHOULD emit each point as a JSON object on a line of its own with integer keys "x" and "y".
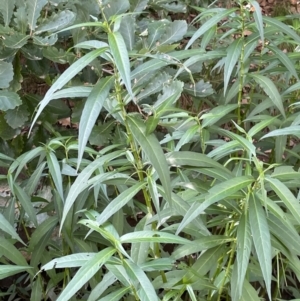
{"x": 158, "y": 146}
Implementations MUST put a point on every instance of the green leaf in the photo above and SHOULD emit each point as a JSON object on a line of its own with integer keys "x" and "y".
{"x": 56, "y": 22}
{"x": 261, "y": 125}
{"x": 216, "y": 114}
{"x": 174, "y": 31}
{"x": 249, "y": 293}
{"x": 127, "y": 30}
{"x": 9, "y": 100}
{"x": 244, "y": 243}
{"x": 153, "y": 151}
{"x": 120, "y": 201}
{"x": 194, "y": 159}
{"x": 6, "y": 9}
{"x": 233, "y": 54}
{"x": 121, "y": 59}
{"x": 6, "y": 227}
{"x": 169, "y": 96}
{"x": 286, "y": 196}
{"x": 203, "y": 243}
{"x": 116, "y": 295}
{"x": 81, "y": 181}
{"x": 258, "y": 19}
{"x": 17, "y": 117}
{"x": 16, "y": 41}
{"x": 85, "y": 273}
{"x": 91, "y": 111}
{"x": 68, "y": 261}
{"x": 65, "y": 77}
{"x": 216, "y": 193}
{"x": 21, "y": 19}
{"x": 6, "y": 76}
{"x": 270, "y": 89}
{"x": 34, "y": 8}
{"x": 285, "y": 233}
{"x": 285, "y": 60}
{"x": 153, "y": 236}
{"x": 262, "y": 240}
{"x": 291, "y": 130}
{"x": 281, "y": 27}
{"x": 9, "y": 270}
{"x": 8, "y": 250}
{"x": 208, "y": 24}
{"x": 55, "y": 172}
{"x": 25, "y": 202}
{"x": 145, "y": 288}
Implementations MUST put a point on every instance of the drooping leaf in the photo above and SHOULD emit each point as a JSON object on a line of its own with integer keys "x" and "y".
{"x": 262, "y": 240}
{"x": 286, "y": 196}
{"x": 216, "y": 114}
{"x": 34, "y": 8}
{"x": 208, "y": 24}
{"x": 153, "y": 150}
{"x": 153, "y": 236}
{"x": 141, "y": 282}
{"x": 291, "y": 130}
{"x": 120, "y": 201}
{"x": 82, "y": 180}
{"x": 6, "y": 227}
{"x": 285, "y": 60}
{"x": 271, "y": 90}
{"x": 91, "y": 111}
{"x": 11, "y": 252}
{"x": 121, "y": 58}
{"x": 9, "y": 270}
{"x": 216, "y": 193}
{"x": 25, "y": 202}
{"x": 65, "y": 77}
{"x": 85, "y": 273}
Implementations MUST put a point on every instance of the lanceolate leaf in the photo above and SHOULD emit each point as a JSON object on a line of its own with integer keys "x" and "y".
{"x": 270, "y": 89}
{"x": 80, "y": 183}
{"x": 233, "y": 54}
{"x": 258, "y": 19}
{"x": 285, "y": 60}
{"x": 65, "y": 77}
{"x": 34, "y": 8}
{"x": 262, "y": 240}
{"x": 85, "y": 273}
{"x": 120, "y": 54}
{"x": 120, "y": 201}
{"x": 286, "y": 196}
{"x": 153, "y": 150}
{"x": 145, "y": 288}
{"x": 208, "y": 24}
{"x": 244, "y": 243}
{"x": 291, "y": 130}
{"x": 9, "y": 270}
{"x": 6, "y": 227}
{"x": 215, "y": 194}
{"x": 91, "y": 111}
